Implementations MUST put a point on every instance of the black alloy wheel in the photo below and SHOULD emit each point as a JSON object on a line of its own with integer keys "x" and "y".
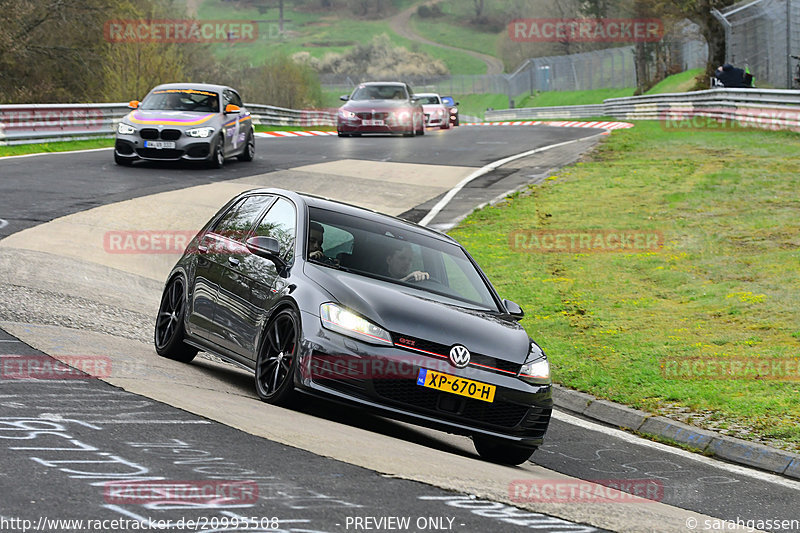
{"x": 249, "y": 153}
{"x": 277, "y": 359}
{"x": 169, "y": 331}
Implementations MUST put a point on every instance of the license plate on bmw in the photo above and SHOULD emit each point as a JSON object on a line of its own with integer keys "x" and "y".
{"x": 373, "y": 122}
{"x": 159, "y": 144}
{"x": 456, "y": 385}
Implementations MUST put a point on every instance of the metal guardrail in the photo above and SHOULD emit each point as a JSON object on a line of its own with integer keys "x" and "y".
{"x": 765, "y": 108}
{"x": 38, "y": 123}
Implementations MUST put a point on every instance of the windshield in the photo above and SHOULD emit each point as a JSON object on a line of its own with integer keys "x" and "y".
{"x": 182, "y": 100}
{"x": 380, "y": 92}
{"x": 429, "y": 100}
{"x": 396, "y": 255}
{"x": 448, "y": 100}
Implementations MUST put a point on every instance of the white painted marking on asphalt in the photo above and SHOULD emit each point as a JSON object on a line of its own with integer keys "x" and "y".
{"x": 633, "y": 439}
{"x": 7, "y": 340}
{"x": 484, "y": 170}
{"x": 3, "y": 223}
{"x": 150, "y": 422}
{"x": 3, "y": 158}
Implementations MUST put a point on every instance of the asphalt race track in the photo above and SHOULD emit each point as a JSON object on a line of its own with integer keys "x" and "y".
{"x": 316, "y": 467}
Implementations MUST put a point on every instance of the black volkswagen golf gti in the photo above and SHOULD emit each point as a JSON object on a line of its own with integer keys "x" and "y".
{"x": 320, "y": 297}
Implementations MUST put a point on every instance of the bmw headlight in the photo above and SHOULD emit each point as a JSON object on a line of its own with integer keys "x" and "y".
{"x": 341, "y": 320}
{"x": 199, "y": 132}
{"x": 125, "y": 129}
{"x": 346, "y": 114}
{"x": 536, "y": 368}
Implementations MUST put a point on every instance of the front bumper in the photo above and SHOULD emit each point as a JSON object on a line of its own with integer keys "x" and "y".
{"x": 385, "y": 379}
{"x": 186, "y": 148}
{"x": 355, "y": 125}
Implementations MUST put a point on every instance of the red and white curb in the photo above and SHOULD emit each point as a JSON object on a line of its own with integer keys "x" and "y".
{"x": 559, "y": 124}
{"x": 608, "y": 126}
{"x": 271, "y": 134}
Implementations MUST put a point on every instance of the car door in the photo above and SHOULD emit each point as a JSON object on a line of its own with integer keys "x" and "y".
{"x": 250, "y": 285}
{"x": 206, "y": 276}
{"x": 215, "y": 250}
{"x": 234, "y": 133}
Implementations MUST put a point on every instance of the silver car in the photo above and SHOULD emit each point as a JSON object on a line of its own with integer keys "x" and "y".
{"x": 186, "y": 121}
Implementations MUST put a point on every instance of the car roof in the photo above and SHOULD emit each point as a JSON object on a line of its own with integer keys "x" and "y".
{"x": 383, "y": 83}
{"x": 427, "y": 94}
{"x": 353, "y": 210}
{"x": 196, "y": 86}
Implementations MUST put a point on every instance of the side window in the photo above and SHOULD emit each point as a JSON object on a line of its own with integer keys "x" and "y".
{"x": 280, "y": 223}
{"x": 240, "y": 218}
{"x": 236, "y": 99}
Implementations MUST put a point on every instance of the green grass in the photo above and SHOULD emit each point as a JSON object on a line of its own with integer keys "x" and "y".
{"x": 725, "y": 285}
{"x": 677, "y": 83}
{"x": 447, "y": 30}
{"x": 476, "y": 104}
{"x": 261, "y": 127}
{"x": 65, "y": 146}
{"x": 558, "y": 98}
{"x": 319, "y": 33}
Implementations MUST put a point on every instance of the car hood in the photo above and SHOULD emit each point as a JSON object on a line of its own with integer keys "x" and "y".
{"x": 159, "y": 117}
{"x": 369, "y": 105}
{"x": 409, "y": 312}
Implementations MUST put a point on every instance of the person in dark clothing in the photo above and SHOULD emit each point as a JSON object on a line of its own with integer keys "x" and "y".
{"x": 730, "y": 76}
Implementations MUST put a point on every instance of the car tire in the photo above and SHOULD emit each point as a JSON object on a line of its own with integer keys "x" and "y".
{"x": 342, "y": 134}
{"x": 274, "y": 377}
{"x": 169, "y": 332}
{"x": 249, "y": 152}
{"x": 122, "y": 161}
{"x": 421, "y": 130}
{"x": 217, "y": 157}
{"x": 457, "y": 122}
{"x": 501, "y": 451}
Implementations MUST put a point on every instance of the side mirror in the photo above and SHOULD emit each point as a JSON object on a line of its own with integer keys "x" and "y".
{"x": 457, "y": 103}
{"x": 514, "y": 309}
{"x": 230, "y": 108}
{"x": 133, "y": 104}
{"x": 268, "y": 248}
{"x": 344, "y": 98}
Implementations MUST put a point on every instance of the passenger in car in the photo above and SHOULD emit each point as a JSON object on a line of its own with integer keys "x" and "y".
{"x": 315, "y": 235}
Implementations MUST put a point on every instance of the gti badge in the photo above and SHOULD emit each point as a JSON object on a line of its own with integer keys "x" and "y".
{"x": 459, "y": 356}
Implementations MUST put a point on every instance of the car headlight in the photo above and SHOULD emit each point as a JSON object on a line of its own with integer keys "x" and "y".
{"x": 454, "y": 110}
{"x": 341, "y": 320}
{"x": 199, "y": 132}
{"x": 346, "y": 114}
{"x": 536, "y": 368}
{"x": 125, "y": 129}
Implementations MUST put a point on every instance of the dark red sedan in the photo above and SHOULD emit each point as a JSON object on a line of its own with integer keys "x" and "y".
{"x": 381, "y": 107}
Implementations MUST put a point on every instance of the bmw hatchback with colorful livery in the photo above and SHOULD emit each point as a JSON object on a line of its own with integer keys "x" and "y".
{"x": 189, "y": 122}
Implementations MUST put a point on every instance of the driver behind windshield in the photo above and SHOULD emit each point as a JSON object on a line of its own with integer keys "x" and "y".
{"x": 398, "y": 264}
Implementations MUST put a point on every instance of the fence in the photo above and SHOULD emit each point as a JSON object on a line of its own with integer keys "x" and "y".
{"x": 761, "y": 34}
{"x": 36, "y": 123}
{"x": 768, "y": 108}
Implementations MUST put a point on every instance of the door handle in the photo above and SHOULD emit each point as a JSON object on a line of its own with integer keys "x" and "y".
{"x": 233, "y": 261}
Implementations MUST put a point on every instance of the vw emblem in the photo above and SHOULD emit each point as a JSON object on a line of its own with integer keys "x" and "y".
{"x": 459, "y": 356}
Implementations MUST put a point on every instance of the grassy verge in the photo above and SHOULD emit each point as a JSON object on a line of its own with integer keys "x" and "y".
{"x": 677, "y": 83}
{"x": 726, "y": 284}
{"x": 65, "y": 146}
{"x": 557, "y": 98}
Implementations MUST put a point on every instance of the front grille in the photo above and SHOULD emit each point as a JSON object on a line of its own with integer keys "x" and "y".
{"x": 152, "y": 134}
{"x": 467, "y": 410}
{"x": 155, "y": 153}
{"x": 370, "y": 116}
{"x": 170, "y": 135}
{"x": 507, "y": 367}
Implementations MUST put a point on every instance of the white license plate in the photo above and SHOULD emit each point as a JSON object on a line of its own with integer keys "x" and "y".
{"x": 159, "y": 144}
{"x": 374, "y": 122}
